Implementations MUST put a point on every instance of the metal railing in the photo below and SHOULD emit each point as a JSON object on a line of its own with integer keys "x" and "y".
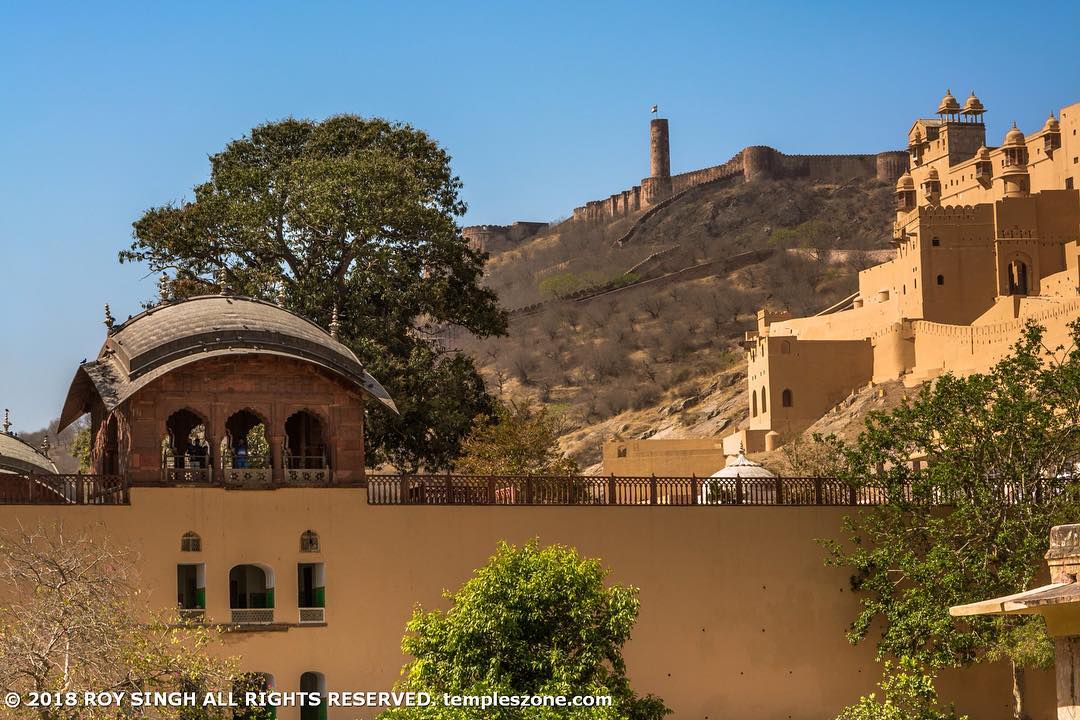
{"x": 33, "y": 489}
{"x": 312, "y": 615}
{"x": 251, "y": 616}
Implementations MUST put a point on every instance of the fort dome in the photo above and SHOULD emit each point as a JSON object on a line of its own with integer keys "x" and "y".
{"x": 906, "y": 182}
{"x": 973, "y": 106}
{"x": 1013, "y": 137}
{"x": 174, "y": 334}
{"x": 982, "y": 153}
{"x": 1052, "y": 124}
{"x": 948, "y": 105}
{"x": 933, "y": 174}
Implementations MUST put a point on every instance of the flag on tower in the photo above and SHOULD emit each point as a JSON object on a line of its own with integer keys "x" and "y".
{"x": 655, "y": 108}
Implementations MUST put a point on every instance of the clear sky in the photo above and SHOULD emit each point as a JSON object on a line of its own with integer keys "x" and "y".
{"x": 111, "y": 108}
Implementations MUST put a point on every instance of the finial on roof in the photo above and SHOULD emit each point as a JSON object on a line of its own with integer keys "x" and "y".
{"x": 281, "y": 293}
{"x": 7, "y": 422}
{"x": 45, "y": 445}
{"x": 222, "y": 280}
{"x": 334, "y": 324}
{"x": 109, "y": 319}
{"x": 163, "y": 288}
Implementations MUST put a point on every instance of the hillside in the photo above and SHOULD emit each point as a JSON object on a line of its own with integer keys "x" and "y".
{"x": 641, "y": 339}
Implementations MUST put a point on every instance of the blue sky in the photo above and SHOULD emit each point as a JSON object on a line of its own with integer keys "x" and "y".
{"x": 111, "y": 108}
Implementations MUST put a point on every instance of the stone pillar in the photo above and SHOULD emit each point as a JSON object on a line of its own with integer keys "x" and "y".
{"x": 659, "y": 152}
{"x": 277, "y": 459}
{"x": 1063, "y": 558}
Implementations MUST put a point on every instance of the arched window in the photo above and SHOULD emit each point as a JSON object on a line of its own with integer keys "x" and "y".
{"x": 185, "y": 451}
{"x": 309, "y": 541}
{"x": 190, "y": 542}
{"x": 764, "y": 401}
{"x": 307, "y": 455}
{"x": 110, "y": 456}
{"x": 251, "y": 594}
{"x": 245, "y": 445}
{"x": 785, "y": 348}
{"x": 785, "y": 398}
{"x": 940, "y": 279}
{"x": 1018, "y": 278}
{"x": 753, "y": 403}
{"x": 315, "y": 683}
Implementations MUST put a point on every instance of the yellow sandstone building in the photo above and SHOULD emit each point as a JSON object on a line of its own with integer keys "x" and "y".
{"x": 987, "y": 239}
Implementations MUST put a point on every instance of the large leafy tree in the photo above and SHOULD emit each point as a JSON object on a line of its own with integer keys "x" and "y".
{"x": 972, "y": 522}
{"x": 356, "y": 214}
{"x": 535, "y": 620}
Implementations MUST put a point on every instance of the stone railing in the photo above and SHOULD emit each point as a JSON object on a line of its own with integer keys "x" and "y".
{"x": 33, "y": 489}
{"x": 311, "y": 615}
{"x": 251, "y": 616}
{"x": 668, "y": 491}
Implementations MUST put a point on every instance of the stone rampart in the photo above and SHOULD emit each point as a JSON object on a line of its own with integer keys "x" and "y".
{"x": 750, "y": 163}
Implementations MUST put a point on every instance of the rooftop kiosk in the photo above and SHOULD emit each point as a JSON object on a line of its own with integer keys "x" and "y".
{"x": 1059, "y": 604}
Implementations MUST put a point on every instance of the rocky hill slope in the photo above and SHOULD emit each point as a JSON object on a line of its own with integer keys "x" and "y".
{"x": 640, "y": 339}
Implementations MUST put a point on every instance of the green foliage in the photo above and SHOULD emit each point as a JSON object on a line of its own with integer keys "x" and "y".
{"x": 522, "y": 440}
{"x": 80, "y": 448}
{"x": 1001, "y": 450}
{"x": 814, "y": 233}
{"x": 565, "y": 284}
{"x": 536, "y": 620}
{"x": 358, "y": 214}
{"x": 907, "y": 693}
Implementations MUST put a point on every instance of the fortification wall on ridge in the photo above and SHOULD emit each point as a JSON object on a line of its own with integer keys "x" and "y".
{"x": 751, "y": 163}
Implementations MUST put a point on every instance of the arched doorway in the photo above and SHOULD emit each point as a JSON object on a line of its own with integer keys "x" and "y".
{"x": 314, "y": 684}
{"x": 185, "y": 449}
{"x": 1018, "y": 277}
{"x": 245, "y": 450}
{"x": 251, "y": 594}
{"x": 110, "y": 447}
{"x": 306, "y": 454}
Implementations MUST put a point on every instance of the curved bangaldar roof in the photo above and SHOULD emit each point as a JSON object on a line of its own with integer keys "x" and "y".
{"x": 19, "y": 456}
{"x": 174, "y": 334}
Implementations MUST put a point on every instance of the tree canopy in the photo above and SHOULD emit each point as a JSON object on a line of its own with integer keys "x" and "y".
{"x": 999, "y": 455}
{"x": 535, "y": 620}
{"x": 523, "y": 440}
{"x": 357, "y": 214}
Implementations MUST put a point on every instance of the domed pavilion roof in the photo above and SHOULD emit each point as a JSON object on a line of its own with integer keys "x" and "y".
{"x": 174, "y": 334}
{"x": 19, "y": 456}
{"x": 973, "y": 106}
{"x": 1014, "y": 136}
{"x": 949, "y": 105}
{"x": 743, "y": 467}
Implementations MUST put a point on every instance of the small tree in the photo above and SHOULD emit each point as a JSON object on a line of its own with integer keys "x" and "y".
{"x": 907, "y": 693}
{"x": 535, "y": 620}
{"x": 1002, "y": 451}
{"x": 523, "y": 440}
{"x": 73, "y": 620}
